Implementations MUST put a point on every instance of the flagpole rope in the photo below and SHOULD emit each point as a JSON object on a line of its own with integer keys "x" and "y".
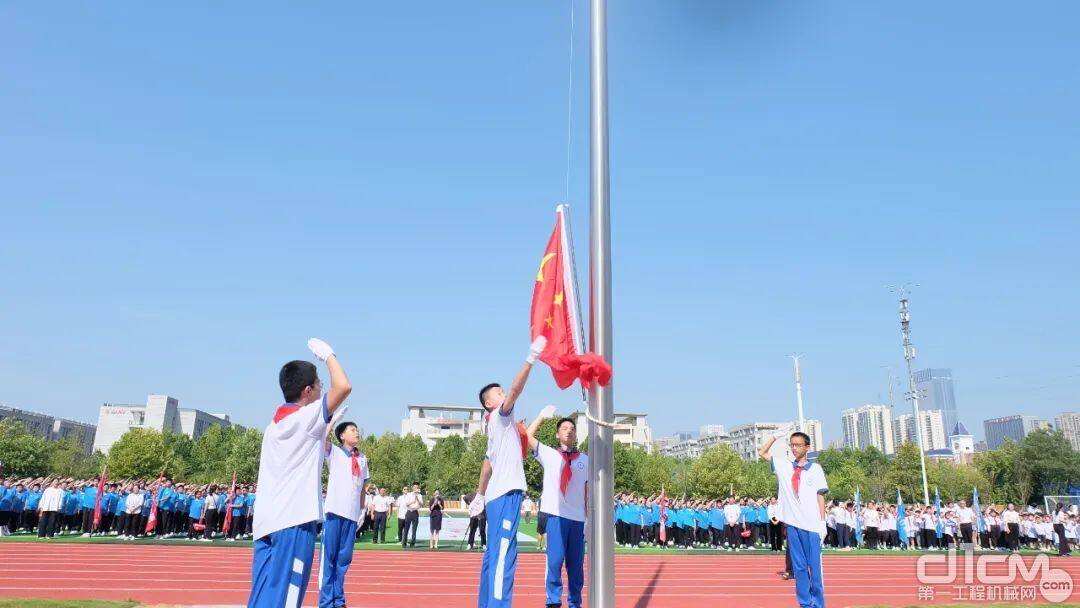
{"x": 569, "y": 101}
{"x": 609, "y": 425}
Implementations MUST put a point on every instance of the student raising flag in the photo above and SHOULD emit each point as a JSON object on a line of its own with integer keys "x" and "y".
{"x": 151, "y": 521}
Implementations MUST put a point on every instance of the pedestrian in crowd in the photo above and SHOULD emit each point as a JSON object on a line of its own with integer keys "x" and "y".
{"x": 1011, "y": 520}
{"x": 413, "y": 501}
{"x": 435, "y": 516}
{"x": 527, "y": 506}
{"x": 478, "y": 521}
{"x": 51, "y": 501}
{"x": 380, "y": 508}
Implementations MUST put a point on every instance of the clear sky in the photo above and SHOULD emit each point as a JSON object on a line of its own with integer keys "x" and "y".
{"x": 191, "y": 191}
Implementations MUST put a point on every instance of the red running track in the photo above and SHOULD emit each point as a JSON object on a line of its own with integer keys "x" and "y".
{"x": 155, "y": 574}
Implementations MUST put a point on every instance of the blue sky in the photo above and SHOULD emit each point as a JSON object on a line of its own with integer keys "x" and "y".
{"x": 190, "y": 192}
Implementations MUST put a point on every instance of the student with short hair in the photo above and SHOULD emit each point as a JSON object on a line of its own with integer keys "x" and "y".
{"x": 565, "y": 500}
{"x": 344, "y": 508}
{"x": 290, "y": 481}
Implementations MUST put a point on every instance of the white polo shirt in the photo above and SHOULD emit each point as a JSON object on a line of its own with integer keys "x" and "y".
{"x": 552, "y": 501}
{"x": 732, "y": 512}
{"x": 966, "y": 515}
{"x": 345, "y": 491}
{"x": 800, "y": 511}
{"x": 381, "y": 504}
{"x": 290, "y": 470}
{"x": 504, "y": 452}
{"x": 871, "y": 518}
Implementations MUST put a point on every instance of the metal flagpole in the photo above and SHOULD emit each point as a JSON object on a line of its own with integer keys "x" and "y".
{"x": 601, "y": 458}
{"x": 798, "y": 393}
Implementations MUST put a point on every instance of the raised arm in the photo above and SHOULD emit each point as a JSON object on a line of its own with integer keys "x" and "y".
{"x": 339, "y": 382}
{"x": 522, "y": 377}
{"x": 533, "y": 428}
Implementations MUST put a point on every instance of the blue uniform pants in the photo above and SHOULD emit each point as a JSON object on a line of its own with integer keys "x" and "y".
{"x": 805, "y": 549}
{"x": 338, "y": 536}
{"x": 500, "y": 557}
{"x": 282, "y": 566}
{"x": 565, "y": 543}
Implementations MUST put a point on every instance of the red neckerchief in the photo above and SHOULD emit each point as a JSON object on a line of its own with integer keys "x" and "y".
{"x": 564, "y": 478}
{"x": 285, "y": 410}
{"x": 522, "y": 434}
{"x": 354, "y": 455}
{"x": 796, "y": 475}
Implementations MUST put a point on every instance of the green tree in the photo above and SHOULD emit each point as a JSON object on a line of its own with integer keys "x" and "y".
{"x": 758, "y": 479}
{"x": 414, "y": 460}
{"x": 998, "y": 468}
{"x": 444, "y": 463}
{"x": 67, "y": 459}
{"x": 905, "y": 473}
{"x": 243, "y": 456}
{"x": 138, "y": 454}
{"x": 23, "y": 454}
{"x": 845, "y": 478}
{"x": 468, "y": 472}
{"x": 628, "y": 465}
{"x": 657, "y": 473}
{"x": 715, "y": 472}
{"x": 1054, "y": 464}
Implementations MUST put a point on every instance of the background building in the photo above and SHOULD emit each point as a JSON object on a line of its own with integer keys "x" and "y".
{"x": 935, "y": 387}
{"x": 813, "y": 429}
{"x": 50, "y": 428}
{"x": 933, "y": 429}
{"x": 963, "y": 444}
{"x": 689, "y": 448}
{"x": 1069, "y": 425}
{"x": 711, "y": 429}
{"x": 868, "y": 425}
{"x": 161, "y": 413}
{"x": 434, "y": 422}
{"x": 746, "y": 439}
{"x": 1011, "y": 427}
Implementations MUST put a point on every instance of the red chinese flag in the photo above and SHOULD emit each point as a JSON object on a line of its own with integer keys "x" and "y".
{"x": 228, "y": 507}
{"x": 663, "y": 516}
{"x": 554, "y": 316}
{"x": 151, "y": 520}
{"x": 97, "y": 501}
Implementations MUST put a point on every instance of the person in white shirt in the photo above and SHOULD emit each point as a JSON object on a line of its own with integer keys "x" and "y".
{"x": 51, "y": 501}
{"x": 288, "y": 500}
{"x": 502, "y": 484}
{"x": 380, "y": 510}
{"x": 133, "y": 506}
{"x": 872, "y": 521}
{"x": 965, "y": 515}
{"x": 564, "y": 499}
{"x": 1011, "y": 519}
{"x": 843, "y": 531}
{"x": 344, "y": 508}
{"x": 412, "y": 502}
{"x": 527, "y": 506}
{"x": 399, "y": 502}
{"x": 802, "y": 490}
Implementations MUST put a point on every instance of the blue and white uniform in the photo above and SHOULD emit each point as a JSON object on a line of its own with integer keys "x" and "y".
{"x": 801, "y": 514}
{"x": 290, "y": 480}
{"x": 505, "y": 491}
{"x": 344, "y": 509}
{"x": 565, "y": 524}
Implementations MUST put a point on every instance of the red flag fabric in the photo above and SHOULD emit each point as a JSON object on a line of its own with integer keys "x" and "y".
{"x": 551, "y": 316}
{"x": 151, "y": 521}
{"x": 228, "y": 507}
{"x": 97, "y": 500}
{"x": 663, "y": 516}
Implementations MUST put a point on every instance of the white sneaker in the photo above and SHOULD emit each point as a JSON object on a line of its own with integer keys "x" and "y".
{"x": 86, "y": 535}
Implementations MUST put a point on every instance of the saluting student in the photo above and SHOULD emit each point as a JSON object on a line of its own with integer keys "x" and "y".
{"x": 801, "y": 490}
{"x": 564, "y": 499}
{"x": 344, "y": 508}
{"x": 289, "y": 485}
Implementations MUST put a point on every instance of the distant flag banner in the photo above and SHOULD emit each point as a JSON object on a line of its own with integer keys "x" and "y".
{"x": 937, "y": 514}
{"x": 554, "y": 313}
{"x": 663, "y": 516}
{"x": 229, "y": 506}
{"x": 858, "y": 519}
{"x": 151, "y": 521}
{"x": 980, "y": 521}
{"x": 901, "y": 519}
{"x": 97, "y": 500}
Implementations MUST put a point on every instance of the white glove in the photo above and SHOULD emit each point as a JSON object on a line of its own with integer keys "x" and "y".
{"x": 537, "y": 347}
{"x": 823, "y": 530}
{"x": 477, "y": 506}
{"x": 784, "y": 432}
{"x": 321, "y": 349}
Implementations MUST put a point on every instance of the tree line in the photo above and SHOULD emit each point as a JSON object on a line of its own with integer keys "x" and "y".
{"x": 1044, "y": 463}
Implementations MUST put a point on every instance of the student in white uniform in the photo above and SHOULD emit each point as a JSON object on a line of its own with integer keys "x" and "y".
{"x": 344, "y": 508}
{"x": 502, "y": 485}
{"x": 564, "y": 499}
{"x": 288, "y": 503}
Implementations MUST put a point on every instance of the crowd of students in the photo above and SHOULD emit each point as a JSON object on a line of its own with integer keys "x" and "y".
{"x": 52, "y": 507}
{"x": 745, "y": 523}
